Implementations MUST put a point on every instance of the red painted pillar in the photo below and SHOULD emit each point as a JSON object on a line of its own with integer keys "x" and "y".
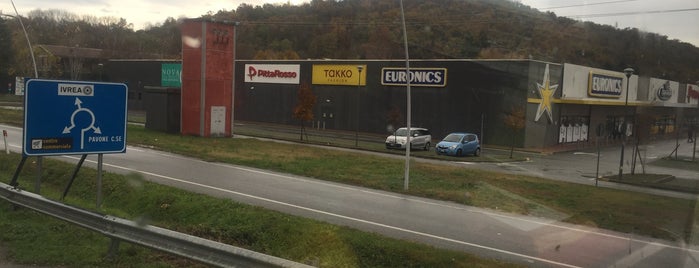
{"x": 207, "y": 77}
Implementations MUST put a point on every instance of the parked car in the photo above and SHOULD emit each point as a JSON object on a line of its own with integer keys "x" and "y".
{"x": 420, "y": 138}
{"x": 459, "y": 144}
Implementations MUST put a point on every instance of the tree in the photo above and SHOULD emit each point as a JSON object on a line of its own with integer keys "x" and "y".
{"x": 515, "y": 120}
{"x": 304, "y": 108}
{"x": 6, "y": 54}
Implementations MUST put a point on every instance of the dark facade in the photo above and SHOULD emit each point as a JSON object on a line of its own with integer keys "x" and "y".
{"x": 475, "y": 98}
{"x": 137, "y": 75}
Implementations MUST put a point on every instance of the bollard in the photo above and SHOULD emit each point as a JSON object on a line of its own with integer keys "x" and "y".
{"x": 4, "y": 138}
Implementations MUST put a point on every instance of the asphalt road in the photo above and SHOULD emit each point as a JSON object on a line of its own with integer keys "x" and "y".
{"x": 515, "y": 238}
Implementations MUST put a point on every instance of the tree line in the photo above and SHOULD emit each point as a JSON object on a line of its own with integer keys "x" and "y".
{"x": 370, "y": 29}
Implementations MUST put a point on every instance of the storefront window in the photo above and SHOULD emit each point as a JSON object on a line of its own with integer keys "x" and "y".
{"x": 573, "y": 129}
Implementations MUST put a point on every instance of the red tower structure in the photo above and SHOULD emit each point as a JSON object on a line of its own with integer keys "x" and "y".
{"x": 208, "y": 55}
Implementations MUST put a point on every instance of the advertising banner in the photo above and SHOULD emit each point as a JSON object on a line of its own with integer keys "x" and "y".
{"x": 171, "y": 75}
{"x": 419, "y": 77}
{"x": 591, "y": 84}
{"x": 341, "y": 75}
{"x": 660, "y": 90}
{"x": 692, "y": 94}
{"x": 272, "y": 73}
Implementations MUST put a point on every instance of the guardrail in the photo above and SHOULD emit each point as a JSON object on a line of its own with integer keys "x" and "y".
{"x": 188, "y": 246}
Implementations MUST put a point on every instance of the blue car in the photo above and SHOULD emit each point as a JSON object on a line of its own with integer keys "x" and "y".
{"x": 459, "y": 144}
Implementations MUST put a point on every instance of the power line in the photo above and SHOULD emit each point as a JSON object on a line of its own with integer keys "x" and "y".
{"x": 632, "y": 13}
{"x": 590, "y": 4}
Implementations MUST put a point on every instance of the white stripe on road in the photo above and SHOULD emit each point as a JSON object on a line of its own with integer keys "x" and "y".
{"x": 334, "y": 214}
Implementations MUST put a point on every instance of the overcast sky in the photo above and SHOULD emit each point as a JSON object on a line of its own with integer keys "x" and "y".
{"x": 677, "y": 19}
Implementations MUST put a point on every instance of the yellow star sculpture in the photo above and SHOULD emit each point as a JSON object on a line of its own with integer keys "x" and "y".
{"x": 546, "y": 92}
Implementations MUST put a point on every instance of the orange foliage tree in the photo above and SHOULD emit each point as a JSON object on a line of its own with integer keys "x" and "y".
{"x": 304, "y": 108}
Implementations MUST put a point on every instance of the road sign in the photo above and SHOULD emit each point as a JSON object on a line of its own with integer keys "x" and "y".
{"x": 74, "y": 117}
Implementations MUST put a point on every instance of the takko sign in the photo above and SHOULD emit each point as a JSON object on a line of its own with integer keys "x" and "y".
{"x": 342, "y": 75}
{"x": 272, "y": 73}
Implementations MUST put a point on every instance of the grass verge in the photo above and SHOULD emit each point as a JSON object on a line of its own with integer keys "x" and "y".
{"x": 31, "y": 238}
{"x": 631, "y": 212}
{"x": 656, "y": 216}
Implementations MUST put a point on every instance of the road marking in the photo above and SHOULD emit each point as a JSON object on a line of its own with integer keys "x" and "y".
{"x": 336, "y": 215}
{"x": 377, "y": 193}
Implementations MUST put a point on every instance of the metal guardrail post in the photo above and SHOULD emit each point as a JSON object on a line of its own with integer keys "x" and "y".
{"x": 184, "y": 245}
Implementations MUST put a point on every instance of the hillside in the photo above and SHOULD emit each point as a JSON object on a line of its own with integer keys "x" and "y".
{"x": 371, "y": 29}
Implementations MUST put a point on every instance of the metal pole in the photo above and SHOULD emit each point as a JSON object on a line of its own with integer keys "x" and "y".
{"x": 356, "y": 121}
{"x": 99, "y": 180}
{"x": 31, "y": 50}
{"x": 694, "y": 150}
{"x": 628, "y": 72}
{"x": 406, "y": 181}
{"x": 202, "y": 83}
{"x": 597, "y": 173}
{"x": 235, "y": 40}
{"x": 39, "y": 167}
{"x": 4, "y": 138}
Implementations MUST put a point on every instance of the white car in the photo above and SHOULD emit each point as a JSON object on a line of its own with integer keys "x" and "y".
{"x": 420, "y": 138}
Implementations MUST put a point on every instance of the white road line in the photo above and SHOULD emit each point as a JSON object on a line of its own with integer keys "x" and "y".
{"x": 338, "y": 215}
{"x": 472, "y": 210}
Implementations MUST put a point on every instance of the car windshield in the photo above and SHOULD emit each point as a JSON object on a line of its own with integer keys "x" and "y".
{"x": 401, "y": 132}
{"x": 453, "y": 137}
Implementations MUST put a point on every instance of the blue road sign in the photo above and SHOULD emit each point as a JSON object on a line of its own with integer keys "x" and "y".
{"x": 74, "y": 117}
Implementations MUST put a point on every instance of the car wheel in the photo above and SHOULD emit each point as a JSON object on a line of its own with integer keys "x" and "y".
{"x": 477, "y": 152}
{"x": 427, "y": 146}
{"x": 459, "y": 152}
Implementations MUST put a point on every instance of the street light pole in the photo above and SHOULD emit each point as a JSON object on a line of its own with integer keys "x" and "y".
{"x": 31, "y": 50}
{"x": 628, "y": 72}
{"x": 356, "y": 123}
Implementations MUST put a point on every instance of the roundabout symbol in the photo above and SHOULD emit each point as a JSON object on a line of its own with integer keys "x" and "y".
{"x": 91, "y": 126}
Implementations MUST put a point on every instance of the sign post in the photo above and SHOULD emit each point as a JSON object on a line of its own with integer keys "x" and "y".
{"x": 4, "y": 138}
{"x": 74, "y": 117}
{"x": 70, "y": 117}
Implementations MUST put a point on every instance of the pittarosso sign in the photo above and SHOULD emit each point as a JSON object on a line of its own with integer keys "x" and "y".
{"x": 419, "y": 77}
{"x": 272, "y": 73}
{"x": 344, "y": 75}
{"x": 605, "y": 85}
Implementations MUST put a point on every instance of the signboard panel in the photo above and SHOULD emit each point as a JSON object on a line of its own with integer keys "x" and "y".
{"x": 341, "y": 75}
{"x": 605, "y": 85}
{"x": 661, "y": 90}
{"x": 419, "y": 77}
{"x": 171, "y": 75}
{"x": 73, "y": 117}
{"x": 272, "y": 73}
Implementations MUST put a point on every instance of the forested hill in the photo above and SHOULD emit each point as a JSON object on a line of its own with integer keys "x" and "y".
{"x": 371, "y": 29}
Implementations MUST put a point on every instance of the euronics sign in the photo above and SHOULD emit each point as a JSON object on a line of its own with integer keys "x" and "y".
{"x": 605, "y": 85}
{"x": 74, "y": 117}
{"x": 419, "y": 77}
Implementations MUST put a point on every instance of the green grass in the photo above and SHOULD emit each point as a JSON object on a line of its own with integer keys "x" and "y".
{"x": 671, "y": 162}
{"x": 630, "y": 212}
{"x": 11, "y": 98}
{"x": 11, "y": 117}
{"x": 656, "y": 216}
{"x": 36, "y": 239}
